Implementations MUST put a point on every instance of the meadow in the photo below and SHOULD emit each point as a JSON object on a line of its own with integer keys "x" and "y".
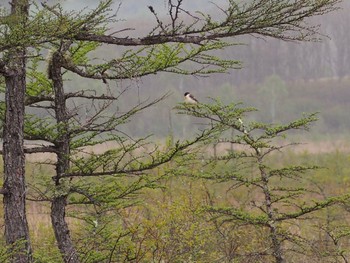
{"x": 170, "y": 223}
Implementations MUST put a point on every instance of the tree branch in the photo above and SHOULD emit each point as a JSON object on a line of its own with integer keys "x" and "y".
{"x": 143, "y": 167}
{"x": 3, "y": 191}
{"x": 42, "y": 149}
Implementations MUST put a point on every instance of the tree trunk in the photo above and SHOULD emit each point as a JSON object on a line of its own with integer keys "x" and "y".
{"x": 16, "y": 225}
{"x": 276, "y": 244}
{"x": 59, "y": 202}
{"x": 65, "y": 244}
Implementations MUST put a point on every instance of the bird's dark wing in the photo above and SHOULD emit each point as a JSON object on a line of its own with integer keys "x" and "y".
{"x": 191, "y": 96}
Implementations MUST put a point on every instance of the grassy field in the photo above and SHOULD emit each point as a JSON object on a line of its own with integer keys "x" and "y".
{"x": 169, "y": 223}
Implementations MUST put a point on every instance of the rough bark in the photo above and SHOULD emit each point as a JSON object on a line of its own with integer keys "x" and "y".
{"x": 16, "y": 225}
{"x": 276, "y": 244}
{"x": 59, "y": 202}
{"x": 60, "y": 226}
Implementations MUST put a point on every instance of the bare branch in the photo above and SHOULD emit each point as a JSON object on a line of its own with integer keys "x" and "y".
{"x": 3, "y": 191}
{"x": 42, "y": 149}
{"x": 277, "y": 19}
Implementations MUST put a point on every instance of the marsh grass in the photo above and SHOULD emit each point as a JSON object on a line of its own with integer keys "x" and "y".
{"x": 173, "y": 213}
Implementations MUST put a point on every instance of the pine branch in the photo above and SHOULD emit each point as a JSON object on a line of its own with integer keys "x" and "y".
{"x": 318, "y": 205}
{"x": 140, "y": 167}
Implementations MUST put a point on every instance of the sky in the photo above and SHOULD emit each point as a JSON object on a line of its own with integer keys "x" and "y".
{"x": 262, "y": 58}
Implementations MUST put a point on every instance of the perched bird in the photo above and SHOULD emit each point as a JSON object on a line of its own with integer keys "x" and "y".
{"x": 190, "y": 99}
{"x": 151, "y": 8}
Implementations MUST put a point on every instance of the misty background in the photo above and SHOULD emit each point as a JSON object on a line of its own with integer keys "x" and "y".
{"x": 281, "y": 79}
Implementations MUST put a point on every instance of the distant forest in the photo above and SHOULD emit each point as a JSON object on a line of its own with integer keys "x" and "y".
{"x": 281, "y": 79}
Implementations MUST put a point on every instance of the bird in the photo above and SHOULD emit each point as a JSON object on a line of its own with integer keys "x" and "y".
{"x": 151, "y": 8}
{"x": 189, "y": 98}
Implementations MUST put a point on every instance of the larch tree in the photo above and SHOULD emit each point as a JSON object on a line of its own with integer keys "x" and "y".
{"x": 68, "y": 130}
{"x": 13, "y": 68}
{"x": 182, "y": 37}
{"x": 269, "y": 199}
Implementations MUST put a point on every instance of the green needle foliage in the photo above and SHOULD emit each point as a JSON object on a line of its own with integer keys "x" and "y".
{"x": 66, "y": 122}
{"x": 98, "y": 167}
{"x": 264, "y": 195}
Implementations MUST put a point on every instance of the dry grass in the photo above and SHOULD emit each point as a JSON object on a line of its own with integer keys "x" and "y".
{"x": 38, "y": 213}
{"x": 312, "y": 147}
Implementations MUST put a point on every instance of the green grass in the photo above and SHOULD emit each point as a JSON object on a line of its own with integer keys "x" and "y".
{"x": 170, "y": 222}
